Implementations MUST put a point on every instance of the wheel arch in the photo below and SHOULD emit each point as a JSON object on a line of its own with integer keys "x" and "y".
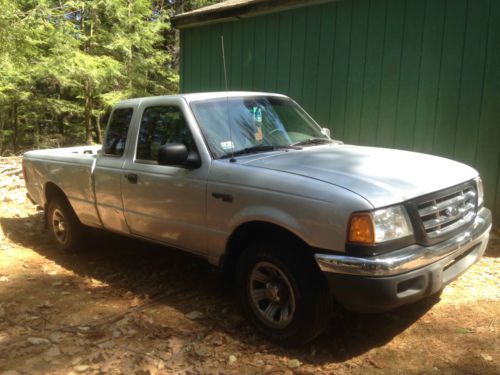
{"x": 251, "y": 230}
{"x": 52, "y": 191}
{"x": 56, "y": 198}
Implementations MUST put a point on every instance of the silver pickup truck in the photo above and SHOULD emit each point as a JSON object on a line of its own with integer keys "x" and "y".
{"x": 250, "y": 182}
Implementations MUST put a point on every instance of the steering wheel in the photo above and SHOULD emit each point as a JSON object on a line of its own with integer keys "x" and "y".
{"x": 274, "y": 131}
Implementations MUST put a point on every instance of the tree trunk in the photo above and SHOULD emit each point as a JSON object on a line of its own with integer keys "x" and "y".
{"x": 88, "y": 112}
{"x": 2, "y": 127}
{"x": 15, "y": 119}
{"x": 61, "y": 121}
{"x": 88, "y": 84}
{"x": 37, "y": 134}
{"x": 130, "y": 51}
{"x": 98, "y": 128}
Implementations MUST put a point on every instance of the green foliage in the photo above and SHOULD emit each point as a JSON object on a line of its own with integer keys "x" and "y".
{"x": 63, "y": 64}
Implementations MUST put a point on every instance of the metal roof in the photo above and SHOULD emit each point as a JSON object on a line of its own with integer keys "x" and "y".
{"x": 234, "y": 9}
{"x": 200, "y": 96}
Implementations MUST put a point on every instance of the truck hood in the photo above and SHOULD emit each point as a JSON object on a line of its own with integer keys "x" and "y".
{"x": 382, "y": 176}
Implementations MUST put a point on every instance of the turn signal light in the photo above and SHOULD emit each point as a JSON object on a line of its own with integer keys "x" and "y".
{"x": 361, "y": 229}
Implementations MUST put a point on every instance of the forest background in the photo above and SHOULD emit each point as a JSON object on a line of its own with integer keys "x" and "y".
{"x": 63, "y": 64}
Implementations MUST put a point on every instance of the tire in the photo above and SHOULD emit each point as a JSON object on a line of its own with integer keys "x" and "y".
{"x": 65, "y": 228}
{"x": 293, "y": 305}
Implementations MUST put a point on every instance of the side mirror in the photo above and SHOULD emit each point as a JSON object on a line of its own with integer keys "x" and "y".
{"x": 177, "y": 154}
{"x": 326, "y": 132}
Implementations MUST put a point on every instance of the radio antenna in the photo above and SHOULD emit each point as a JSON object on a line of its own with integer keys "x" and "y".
{"x": 232, "y": 159}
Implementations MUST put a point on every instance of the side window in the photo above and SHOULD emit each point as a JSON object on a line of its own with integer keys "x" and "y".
{"x": 116, "y": 136}
{"x": 160, "y": 125}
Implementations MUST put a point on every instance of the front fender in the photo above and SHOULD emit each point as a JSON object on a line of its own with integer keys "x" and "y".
{"x": 272, "y": 215}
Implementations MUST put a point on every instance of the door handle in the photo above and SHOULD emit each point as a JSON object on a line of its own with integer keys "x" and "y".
{"x": 131, "y": 177}
{"x": 224, "y": 197}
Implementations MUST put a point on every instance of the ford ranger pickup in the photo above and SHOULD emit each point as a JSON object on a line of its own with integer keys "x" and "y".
{"x": 250, "y": 182}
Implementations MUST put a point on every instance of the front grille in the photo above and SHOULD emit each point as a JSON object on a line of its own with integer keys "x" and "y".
{"x": 449, "y": 211}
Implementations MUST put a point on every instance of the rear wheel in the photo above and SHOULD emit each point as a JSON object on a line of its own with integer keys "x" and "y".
{"x": 64, "y": 226}
{"x": 282, "y": 292}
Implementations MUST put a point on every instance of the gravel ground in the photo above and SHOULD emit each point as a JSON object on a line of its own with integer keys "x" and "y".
{"x": 128, "y": 307}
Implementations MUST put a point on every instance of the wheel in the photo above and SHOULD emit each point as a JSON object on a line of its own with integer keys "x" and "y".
{"x": 65, "y": 228}
{"x": 277, "y": 134}
{"x": 282, "y": 292}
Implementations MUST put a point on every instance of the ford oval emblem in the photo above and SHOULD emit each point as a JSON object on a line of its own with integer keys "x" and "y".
{"x": 451, "y": 211}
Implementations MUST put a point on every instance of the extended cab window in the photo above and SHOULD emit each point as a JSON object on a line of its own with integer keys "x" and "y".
{"x": 116, "y": 136}
{"x": 160, "y": 125}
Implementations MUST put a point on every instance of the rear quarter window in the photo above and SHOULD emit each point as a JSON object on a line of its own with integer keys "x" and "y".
{"x": 116, "y": 135}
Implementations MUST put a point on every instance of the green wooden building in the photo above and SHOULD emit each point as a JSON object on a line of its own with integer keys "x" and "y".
{"x": 410, "y": 74}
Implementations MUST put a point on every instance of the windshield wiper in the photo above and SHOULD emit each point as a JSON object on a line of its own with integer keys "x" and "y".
{"x": 260, "y": 148}
{"x": 312, "y": 141}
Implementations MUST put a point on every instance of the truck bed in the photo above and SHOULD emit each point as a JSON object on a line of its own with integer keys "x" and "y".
{"x": 66, "y": 154}
{"x": 70, "y": 169}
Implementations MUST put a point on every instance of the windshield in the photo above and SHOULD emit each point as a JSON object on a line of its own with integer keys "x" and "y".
{"x": 253, "y": 124}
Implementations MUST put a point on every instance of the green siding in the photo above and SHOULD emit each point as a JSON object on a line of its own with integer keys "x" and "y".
{"x": 325, "y": 62}
{"x": 373, "y": 73}
{"x": 284, "y": 52}
{"x": 417, "y": 75}
{"x": 340, "y": 68}
{"x": 391, "y": 73}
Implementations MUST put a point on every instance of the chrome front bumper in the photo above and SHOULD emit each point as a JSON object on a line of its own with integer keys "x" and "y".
{"x": 412, "y": 257}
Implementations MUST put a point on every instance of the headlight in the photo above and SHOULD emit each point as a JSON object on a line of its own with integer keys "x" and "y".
{"x": 480, "y": 191}
{"x": 378, "y": 226}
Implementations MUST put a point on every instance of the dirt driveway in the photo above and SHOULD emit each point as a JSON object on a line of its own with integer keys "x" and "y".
{"x": 124, "y": 306}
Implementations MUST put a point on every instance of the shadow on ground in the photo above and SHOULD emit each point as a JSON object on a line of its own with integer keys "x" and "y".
{"x": 186, "y": 283}
{"x": 493, "y": 249}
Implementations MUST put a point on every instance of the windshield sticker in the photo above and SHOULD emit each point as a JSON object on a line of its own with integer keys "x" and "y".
{"x": 257, "y": 114}
{"x": 227, "y": 145}
{"x": 258, "y": 135}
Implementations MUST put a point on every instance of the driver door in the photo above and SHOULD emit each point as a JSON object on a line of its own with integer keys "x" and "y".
{"x": 165, "y": 203}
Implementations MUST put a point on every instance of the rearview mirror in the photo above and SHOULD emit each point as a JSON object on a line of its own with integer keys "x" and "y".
{"x": 326, "y": 132}
{"x": 177, "y": 154}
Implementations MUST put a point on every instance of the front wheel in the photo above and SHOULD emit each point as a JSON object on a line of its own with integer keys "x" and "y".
{"x": 282, "y": 292}
{"x": 64, "y": 226}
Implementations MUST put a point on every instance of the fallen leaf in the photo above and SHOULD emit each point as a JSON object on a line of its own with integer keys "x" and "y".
{"x": 53, "y": 351}
{"x": 464, "y": 330}
{"x": 201, "y": 350}
{"x": 81, "y": 368}
{"x": 487, "y": 357}
{"x": 294, "y": 363}
{"x": 38, "y": 340}
{"x": 55, "y": 337}
{"x": 193, "y": 315}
